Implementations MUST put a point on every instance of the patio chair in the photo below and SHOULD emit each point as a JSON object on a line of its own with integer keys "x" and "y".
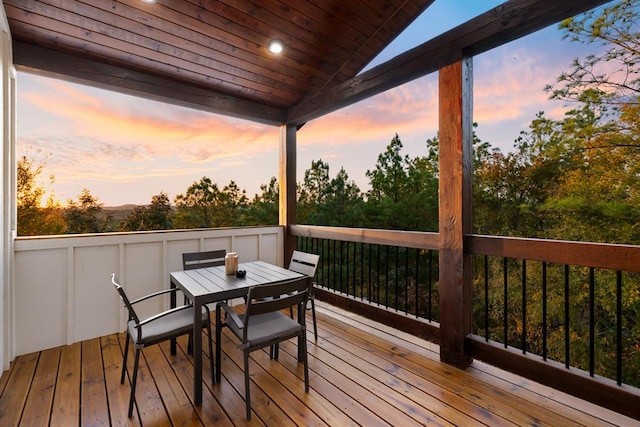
{"x": 306, "y": 263}
{"x": 264, "y": 325}
{"x": 155, "y": 329}
{"x": 193, "y": 260}
{"x": 205, "y": 259}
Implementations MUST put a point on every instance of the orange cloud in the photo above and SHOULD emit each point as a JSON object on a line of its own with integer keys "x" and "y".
{"x": 156, "y": 128}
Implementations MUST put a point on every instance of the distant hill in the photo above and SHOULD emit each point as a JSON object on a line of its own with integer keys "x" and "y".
{"x": 128, "y": 207}
{"x": 119, "y": 212}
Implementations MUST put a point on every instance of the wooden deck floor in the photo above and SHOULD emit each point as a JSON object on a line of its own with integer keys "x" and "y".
{"x": 361, "y": 373}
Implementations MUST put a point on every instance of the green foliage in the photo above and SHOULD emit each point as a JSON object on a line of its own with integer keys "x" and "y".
{"x": 612, "y": 74}
{"x": 264, "y": 208}
{"x": 343, "y": 204}
{"x": 325, "y": 201}
{"x": 197, "y": 207}
{"x": 312, "y": 191}
{"x": 83, "y": 216}
{"x": 232, "y": 210}
{"x": 33, "y": 218}
{"x": 156, "y": 216}
{"x": 404, "y": 191}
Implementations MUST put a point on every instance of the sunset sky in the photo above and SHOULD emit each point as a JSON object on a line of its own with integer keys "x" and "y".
{"x": 126, "y": 149}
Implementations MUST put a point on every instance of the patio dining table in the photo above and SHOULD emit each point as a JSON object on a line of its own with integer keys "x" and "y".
{"x": 208, "y": 285}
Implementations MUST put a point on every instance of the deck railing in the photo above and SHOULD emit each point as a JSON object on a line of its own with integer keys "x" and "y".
{"x": 573, "y": 315}
{"x": 528, "y": 294}
{"x": 563, "y": 313}
{"x": 388, "y": 275}
{"x": 398, "y": 278}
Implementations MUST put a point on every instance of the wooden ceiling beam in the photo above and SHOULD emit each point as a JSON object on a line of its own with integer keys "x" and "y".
{"x": 507, "y": 22}
{"x": 39, "y": 60}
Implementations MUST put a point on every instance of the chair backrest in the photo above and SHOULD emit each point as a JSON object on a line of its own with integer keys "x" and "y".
{"x": 305, "y": 263}
{"x": 275, "y": 297}
{"x": 125, "y": 300}
{"x": 193, "y": 260}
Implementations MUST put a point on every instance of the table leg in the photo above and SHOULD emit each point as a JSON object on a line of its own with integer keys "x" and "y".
{"x": 197, "y": 352}
{"x": 218, "y": 342}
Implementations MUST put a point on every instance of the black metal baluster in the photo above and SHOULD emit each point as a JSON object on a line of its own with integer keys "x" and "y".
{"x": 325, "y": 263}
{"x": 429, "y": 309}
{"x": 567, "y": 338}
{"x": 486, "y": 298}
{"x": 333, "y": 273}
{"x": 417, "y": 303}
{"x": 524, "y": 306}
{"x": 406, "y": 281}
{"x": 619, "y": 327}
{"x": 386, "y": 278}
{"x": 592, "y": 323}
{"x": 505, "y": 303}
{"x": 544, "y": 311}
{"x": 378, "y": 277}
{"x": 354, "y": 268}
{"x": 347, "y": 269}
{"x": 362, "y": 272}
{"x": 369, "y": 280}
{"x": 341, "y": 269}
{"x": 396, "y": 278}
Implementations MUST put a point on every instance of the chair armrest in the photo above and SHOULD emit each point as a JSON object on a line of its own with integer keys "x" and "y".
{"x": 155, "y": 294}
{"x": 231, "y": 315}
{"x": 164, "y": 313}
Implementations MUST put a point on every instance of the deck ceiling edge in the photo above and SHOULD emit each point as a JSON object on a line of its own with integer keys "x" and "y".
{"x": 48, "y": 62}
{"x": 505, "y": 23}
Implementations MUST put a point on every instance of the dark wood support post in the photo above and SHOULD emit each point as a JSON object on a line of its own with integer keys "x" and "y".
{"x": 456, "y": 171}
{"x": 287, "y": 185}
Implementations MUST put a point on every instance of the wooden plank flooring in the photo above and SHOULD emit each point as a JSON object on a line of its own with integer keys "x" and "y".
{"x": 361, "y": 373}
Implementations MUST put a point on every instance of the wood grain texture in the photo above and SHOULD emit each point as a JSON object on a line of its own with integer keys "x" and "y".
{"x": 287, "y": 184}
{"x": 455, "y": 197}
{"x": 38, "y": 404}
{"x": 361, "y": 373}
{"x": 218, "y": 48}
{"x": 66, "y": 401}
{"x": 93, "y": 400}
{"x": 14, "y": 396}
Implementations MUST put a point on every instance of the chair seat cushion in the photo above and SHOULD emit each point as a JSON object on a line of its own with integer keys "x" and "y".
{"x": 177, "y": 323}
{"x": 267, "y": 327}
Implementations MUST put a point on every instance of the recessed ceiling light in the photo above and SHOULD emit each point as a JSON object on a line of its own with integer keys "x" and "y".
{"x": 149, "y": 1}
{"x": 275, "y": 46}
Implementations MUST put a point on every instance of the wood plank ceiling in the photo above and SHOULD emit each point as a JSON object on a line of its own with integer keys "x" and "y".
{"x": 212, "y": 55}
{"x": 211, "y": 48}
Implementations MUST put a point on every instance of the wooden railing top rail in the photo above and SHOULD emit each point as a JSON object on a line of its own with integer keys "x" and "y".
{"x": 586, "y": 254}
{"x": 409, "y": 239}
{"x": 597, "y": 255}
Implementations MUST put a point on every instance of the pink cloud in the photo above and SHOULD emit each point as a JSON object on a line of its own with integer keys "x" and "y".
{"x": 157, "y": 129}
